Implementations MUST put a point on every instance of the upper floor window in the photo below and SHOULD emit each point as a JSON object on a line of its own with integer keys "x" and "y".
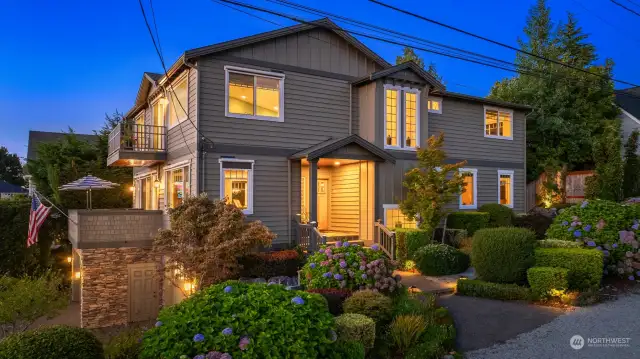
{"x": 434, "y": 105}
{"x": 402, "y": 117}
{"x": 505, "y": 188}
{"x": 236, "y": 186}
{"x": 178, "y": 102}
{"x": 498, "y": 123}
{"x": 468, "y": 198}
{"x": 254, "y": 94}
{"x": 394, "y": 218}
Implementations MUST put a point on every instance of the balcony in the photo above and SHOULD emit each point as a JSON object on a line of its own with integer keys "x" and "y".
{"x": 134, "y": 145}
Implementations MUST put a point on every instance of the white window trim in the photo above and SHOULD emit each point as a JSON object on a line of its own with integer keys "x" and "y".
{"x": 166, "y": 113}
{"x": 401, "y": 104}
{"x": 474, "y": 171}
{"x": 169, "y": 97}
{"x": 246, "y": 71}
{"x": 249, "y": 209}
{"x": 510, "y": 174}
{"x": 171, "y": 168}
{"x": 484, "y": 128}
{"x": 437, "y": 99}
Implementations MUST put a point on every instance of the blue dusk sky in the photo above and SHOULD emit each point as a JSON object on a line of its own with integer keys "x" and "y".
{"x": 66, "y": 63}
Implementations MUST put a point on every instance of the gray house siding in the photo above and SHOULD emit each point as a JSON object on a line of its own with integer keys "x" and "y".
{"x": 181, "y": 139}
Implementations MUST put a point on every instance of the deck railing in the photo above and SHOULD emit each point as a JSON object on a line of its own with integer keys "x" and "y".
{"x": 309, "y": 237}
{"x": 136, "y": 137}
{"x": 385, "y": 238}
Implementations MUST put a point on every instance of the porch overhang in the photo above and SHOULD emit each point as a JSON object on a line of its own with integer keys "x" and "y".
{"x": 351, "y": 147}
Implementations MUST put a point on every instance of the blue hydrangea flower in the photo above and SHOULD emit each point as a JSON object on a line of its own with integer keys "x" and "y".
{"x": 338, "y": 244}
{"x": 198, "y": 338}
{"x": 158, "y": 324}
{"x": 599, "y": 248}
{"x": 199, "y": 356}
{"x": 632, "y": 277}
{"x": 363, "y": 267}
{"x": 587, "y": 228}
{"x": 584, "y": 204}
{"x": 213, "y": 355}
{"x": 343, "y": 264}
{"x": 226, "y": 356}
{"x": 638, "y": 273}
{"x": 606, "y": 253}
{"x": 364, "y": 275}
{"x": 375, "y": 247}
{"x": 312, "y": 265}
{"x": 591, "y": 244}
{"x": 327, "y": 275}
{"x": 565, "y": 223}
{"x": 571, "y": 229}
{"x": 227, "y": 331}
{"x": 297, "y": 301}
{"x": 345, "y": 244}
{"x": 635, "y": 226}
{"x": 228, "y": 289}
{"x": 615, "y": 245}
{"x": 577, "y": 234}
{"x": 338, "y": 276}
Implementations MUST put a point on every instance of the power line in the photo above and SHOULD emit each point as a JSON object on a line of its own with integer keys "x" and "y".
{"x": 626, "y": 8}
{"x": 634, "y": 3}
{"x": 500, "y": 43}
{"x": 603, "y": 19}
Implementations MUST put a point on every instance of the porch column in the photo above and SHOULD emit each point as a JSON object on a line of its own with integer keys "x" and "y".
{"x": 313, "y": 191}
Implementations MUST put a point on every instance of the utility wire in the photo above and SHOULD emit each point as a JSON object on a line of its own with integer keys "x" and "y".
{"x": 603, "y": 19}
{"x": 503, "y": 44}
{"x": 634, "y": 3}
{"x": 626, "y": 8}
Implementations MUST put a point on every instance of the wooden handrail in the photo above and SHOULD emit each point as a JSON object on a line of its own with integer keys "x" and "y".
{"x": 385, "y": 238}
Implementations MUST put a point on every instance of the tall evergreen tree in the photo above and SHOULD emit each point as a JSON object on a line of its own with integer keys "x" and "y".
{"x": 409, "y": 54}
{"x": 10, "y": 167}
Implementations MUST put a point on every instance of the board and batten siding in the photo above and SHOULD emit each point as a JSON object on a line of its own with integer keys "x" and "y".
{"x": 316, "y": 49}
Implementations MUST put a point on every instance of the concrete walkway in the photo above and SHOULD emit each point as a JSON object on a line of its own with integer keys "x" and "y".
{"x": 68, "y": 316}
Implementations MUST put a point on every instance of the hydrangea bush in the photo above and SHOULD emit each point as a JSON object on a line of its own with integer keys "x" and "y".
{"x": 241, "y": 320}
{"x": 352, "y": 267}
{"x": 606, "y": 226}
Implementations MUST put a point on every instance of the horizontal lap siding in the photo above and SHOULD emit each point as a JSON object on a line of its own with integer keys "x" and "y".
{"x": 182, "y": 138}
{"x": 345, "y": 198}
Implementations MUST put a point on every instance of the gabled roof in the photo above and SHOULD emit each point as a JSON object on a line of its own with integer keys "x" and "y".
{"x": 38, "y": 137}
{"x": 410, "y": 65}
{"x": 6, "y": 187}
{"x": 629, "y": 100}
{"x": 324, "y": 23}
{"x": 324, "y": 148}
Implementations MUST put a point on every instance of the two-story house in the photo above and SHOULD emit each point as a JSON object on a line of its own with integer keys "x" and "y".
{"x": 306, "y": 123}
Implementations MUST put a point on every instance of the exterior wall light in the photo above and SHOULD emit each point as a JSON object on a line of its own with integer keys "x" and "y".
{"x": 77, "y": 275}
{"x": 132, "y": 188}
{"x": 156, "y": 183}
{"x": 69, "y": 259}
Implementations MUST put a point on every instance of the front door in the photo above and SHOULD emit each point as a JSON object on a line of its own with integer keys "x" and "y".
{"x": 323, "y": 203}
{"x": 143, "y": 292}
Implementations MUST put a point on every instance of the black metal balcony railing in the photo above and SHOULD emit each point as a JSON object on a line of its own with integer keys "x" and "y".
{"x": 136, "y": 137}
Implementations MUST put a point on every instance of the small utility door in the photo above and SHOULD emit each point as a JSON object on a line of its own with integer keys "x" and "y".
{"x": 323, "y": 204}
{"x": 143, "y": 292}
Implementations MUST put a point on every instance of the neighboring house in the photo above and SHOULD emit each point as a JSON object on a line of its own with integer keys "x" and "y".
{"x": 628, "y": 101}
{"x": 306, "y": 123}
{"x": 8, "y": 190}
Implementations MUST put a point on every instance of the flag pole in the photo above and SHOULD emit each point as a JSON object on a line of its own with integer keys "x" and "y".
{"x": 54, "y": 206}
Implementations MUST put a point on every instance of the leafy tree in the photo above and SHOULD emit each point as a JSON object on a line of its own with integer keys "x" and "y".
{"x": 206, "y": 238}
{"x": 631, "y": 180}
{"x": 606, "y": 183}
{"x": 569, "y": 106}
{"x": 10, "y": 167}
{"x": 409, "y": 54}
{"x": 431, "y": 185}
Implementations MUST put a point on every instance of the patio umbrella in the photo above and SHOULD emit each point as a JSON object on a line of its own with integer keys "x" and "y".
{"x": 88, "y": 183}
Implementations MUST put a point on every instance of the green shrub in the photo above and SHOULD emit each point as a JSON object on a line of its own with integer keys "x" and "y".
{"x": 482, "y": 289}
{"x": 543, "y": 279}
{"x": 348, "y": 350}
{"x": 15, "y": 258}
{"x": 356, "y": 327}
{"x": 443, "y": 334}
{"x": 440, "y": 259}
{"x": 556, "y": 243}
{"x": 125, "y": 345}
{"x": 405, "y": 330}
{"x": 373, "y": 304}
{"x": 414, "y": 304}
{"x": 536, "y": 222}
{"x": 452, "y": 236}
{"x": 585, "y": 265}
{"x": 272, "y": 264}
{"x": 409, "y": 240}
{"x": 53, "y": 342}
{"x": 429, "y": 349}
{"x": 349, "y": 266}
{"x": 503, "y": 255}
{"x": 470, "y": 221}
{"x": 335, "y": 298}
{"x": 223, "y": 316}
{"x": 499, "y": 215}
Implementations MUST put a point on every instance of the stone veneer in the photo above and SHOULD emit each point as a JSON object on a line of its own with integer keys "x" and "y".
{"x": 105, "y": 280}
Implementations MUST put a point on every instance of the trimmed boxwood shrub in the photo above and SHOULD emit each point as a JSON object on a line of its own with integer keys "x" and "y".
{"x": 440, "y": 259}
{"x": 272, "y": 264}
{"x": 543, "y": 279}
{"x": 483, "y": 289}
{"x": 409, "y": 240}
{"x": 348, "y": 350}
{"x": 499, "y": 215}
{"x": 373, "y": 304}
{"x": 59, "y": 341}
{"x": 356, "y": 327}
{"x": 231, "y": 315}
{"x": 470, "y": 221}
{"x": 536, "y": 222}
{"x": 503, "y": 255}
{"x": 584, "y": 265}
{"x": 335, "y": 298}
{"x": 125, "y": 345}
{"x": 555, "y": 243}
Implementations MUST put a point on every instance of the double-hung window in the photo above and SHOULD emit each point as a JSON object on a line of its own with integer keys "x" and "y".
{"x": 434, "y": 104}
{"x": 498, "y": 123}
{"x": 402, "y": 117}
{"x": 394, "y": 218}
{"x": 236, "y": 184}
{"x": 254, "y": 94}
{"x": 505, "y": 188}
{"x": 178, "y": 98}
{"x": 468, "y": 197}
{"x": 177, "y": 186}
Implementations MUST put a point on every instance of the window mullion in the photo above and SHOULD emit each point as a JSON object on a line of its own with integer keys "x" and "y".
{"x": 255, "y": 95}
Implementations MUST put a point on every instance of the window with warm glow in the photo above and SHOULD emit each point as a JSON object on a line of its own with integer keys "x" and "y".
{"x": 177, "y": 186}
{"x": 394, "y": 218}
{"x": 144, "y": 195}
{"x": 469, "y": 186}
{"x": 159, "y": 113}
{"x": 411, "y": 119}
{"x": 237, "y": 184}
{"x": 178, "y": 102}
{"x": 253, "y": 95}
{"x": 498, "y": 123}
{"x": 434, "y": 105}
{"x": 391, "y": 126}
{"x": 505, "y": 195}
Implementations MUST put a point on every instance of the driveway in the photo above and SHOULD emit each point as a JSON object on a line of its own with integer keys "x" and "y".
{"x": 615, "y": 320}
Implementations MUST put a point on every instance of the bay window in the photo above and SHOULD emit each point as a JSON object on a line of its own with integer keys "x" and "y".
{"x": 254, "y": 94}
{"x": 402, "y": 117}
{"x": 236, "y": 184}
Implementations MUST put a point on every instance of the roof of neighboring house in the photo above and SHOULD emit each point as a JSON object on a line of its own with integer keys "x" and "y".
{"x": 629, "y": 100}
{"x": 6, "y": 187}
{"x": 326, "y": 147}
{"x": 410, "y": 65}
{"x": 38, "y": 137}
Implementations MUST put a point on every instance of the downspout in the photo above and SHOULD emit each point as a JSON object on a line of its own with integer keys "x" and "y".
{"x": 289, "y": 219}
{"x": 350, "y": 109}
{"x": 526, "y": 205}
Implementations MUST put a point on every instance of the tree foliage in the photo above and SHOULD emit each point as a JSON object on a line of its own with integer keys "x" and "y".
{"x": 206, "y": 238}
{"x": 569, "y": 106}
{"x": 432, "y": 184}
{"x": 631, "y": 180}
{"x": 10, "y": 167}
{"x": 606, "y": 183}
{"x": 409, "y": 54}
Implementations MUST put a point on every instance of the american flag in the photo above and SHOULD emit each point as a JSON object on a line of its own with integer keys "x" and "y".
{"x": 38, "y": 214}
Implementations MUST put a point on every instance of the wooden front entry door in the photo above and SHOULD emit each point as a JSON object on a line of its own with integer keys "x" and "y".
{"x": 143, "y": 292}
{"x": 323, "y": 204}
